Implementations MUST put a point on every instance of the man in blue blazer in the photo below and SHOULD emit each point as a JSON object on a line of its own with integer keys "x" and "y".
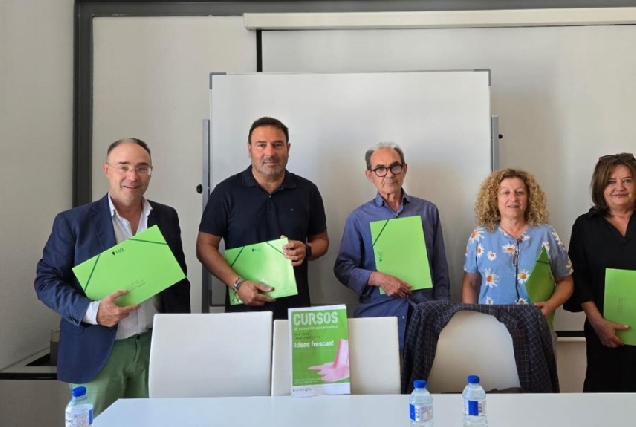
{"x": 105, "y": 347}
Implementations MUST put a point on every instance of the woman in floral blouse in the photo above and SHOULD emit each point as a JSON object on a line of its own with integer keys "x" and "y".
{"x": 502, "y": 251}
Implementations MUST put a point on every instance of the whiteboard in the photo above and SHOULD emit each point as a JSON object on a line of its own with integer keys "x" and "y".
{"x": 564, "y": 95}
{"x": 440, "y": 119}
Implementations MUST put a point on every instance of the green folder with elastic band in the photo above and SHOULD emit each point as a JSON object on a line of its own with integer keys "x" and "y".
{"x": 620, "y": 302}
{"x": 143, "y": 265}
{"x": 541, "y": 285}
{"x": 265, "y": 263}
{"x": 400, "y": 251}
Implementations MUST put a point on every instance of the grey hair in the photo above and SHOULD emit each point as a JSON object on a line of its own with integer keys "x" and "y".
{"x": 390, "y": 145}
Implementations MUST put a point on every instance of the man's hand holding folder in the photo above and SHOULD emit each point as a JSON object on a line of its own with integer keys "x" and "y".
{"x": 129, "y": 272}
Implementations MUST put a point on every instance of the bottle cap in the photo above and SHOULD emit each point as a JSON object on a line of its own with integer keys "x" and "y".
{"x": 473, "y": 379}
{"x": 419, "y": 384}
{"x": 79, "y": 391}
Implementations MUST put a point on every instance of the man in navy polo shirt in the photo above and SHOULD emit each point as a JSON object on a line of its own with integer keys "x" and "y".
{"x": 262, "y": 203}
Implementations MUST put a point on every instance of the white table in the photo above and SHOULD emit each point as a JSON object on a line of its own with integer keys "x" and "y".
{"x": 504, "y": 410}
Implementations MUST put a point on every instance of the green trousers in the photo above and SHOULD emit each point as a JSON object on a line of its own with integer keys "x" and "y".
{"x": 124, "y": 375}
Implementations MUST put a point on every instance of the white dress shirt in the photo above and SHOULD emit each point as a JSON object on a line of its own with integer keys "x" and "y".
{"x": 138, "y": 321}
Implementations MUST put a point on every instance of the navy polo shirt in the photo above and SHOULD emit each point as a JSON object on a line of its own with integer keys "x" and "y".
{"x": 241, "y": 212}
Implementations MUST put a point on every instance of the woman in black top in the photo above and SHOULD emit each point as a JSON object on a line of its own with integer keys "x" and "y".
{"x": 605, "y": 237}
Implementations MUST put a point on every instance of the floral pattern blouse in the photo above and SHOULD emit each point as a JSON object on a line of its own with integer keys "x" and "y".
{"x": 505, "y": 263}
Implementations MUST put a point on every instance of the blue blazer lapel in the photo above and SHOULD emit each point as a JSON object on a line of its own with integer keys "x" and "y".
{"x": 152, "y": 218}
{"x": 103, "y": 223}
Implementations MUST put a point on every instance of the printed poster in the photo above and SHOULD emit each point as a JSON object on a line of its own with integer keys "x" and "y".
{"x": 319, "y": 345}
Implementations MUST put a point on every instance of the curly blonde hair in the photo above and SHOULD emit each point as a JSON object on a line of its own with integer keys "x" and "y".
{"x": 486, "y": 211}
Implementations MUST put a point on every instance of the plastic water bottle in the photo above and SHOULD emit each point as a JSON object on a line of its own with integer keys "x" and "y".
{"x": 474, "y": 403}
{"x": 79, "y": 411}
{"x": 421, "y": 405}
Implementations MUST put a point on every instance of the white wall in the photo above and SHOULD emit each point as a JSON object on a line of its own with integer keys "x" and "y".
{"x": 36, "y": 90}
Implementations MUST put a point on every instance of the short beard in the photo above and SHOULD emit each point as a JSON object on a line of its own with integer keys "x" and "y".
{"x": 271, "y": 172}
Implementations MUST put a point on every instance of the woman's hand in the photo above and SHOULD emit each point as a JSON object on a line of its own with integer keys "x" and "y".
{"x": 547, "y": 308}
{"x": 606, "y": 332}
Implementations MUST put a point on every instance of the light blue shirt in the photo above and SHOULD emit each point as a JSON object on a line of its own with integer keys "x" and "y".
{"x": 493, "y": 255}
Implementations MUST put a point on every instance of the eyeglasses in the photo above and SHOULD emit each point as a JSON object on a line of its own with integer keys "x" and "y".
{"x": 395, "y": 168}
{"x": 143, "y": 170}
{"x": 624, "y": 157}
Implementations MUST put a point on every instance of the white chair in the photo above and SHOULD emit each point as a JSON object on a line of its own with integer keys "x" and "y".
{"x": 211, "y": 355}
{"x": 281, "y": 360}
{"x": 473, "y": 343}
{"x": 374, "y": 357}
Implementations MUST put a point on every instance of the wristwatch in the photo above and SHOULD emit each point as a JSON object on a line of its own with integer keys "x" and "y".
{"x": 237, "y": 283}
{"x": 308, "y": 251}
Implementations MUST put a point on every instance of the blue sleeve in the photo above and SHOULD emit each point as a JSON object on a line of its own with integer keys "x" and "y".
{"x": 55, "y": 283}
{"x": 470, "y": 262}
{"x": 559, "y": 259}
{"x": 439, "y": 265}
{"x": 347, "y": 267}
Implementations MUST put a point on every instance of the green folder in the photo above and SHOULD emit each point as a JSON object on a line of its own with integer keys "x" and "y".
{"x": 540, "y": 285}
{"x": 263, "y": 262}
{"x": 620, "y": 302}
{"x": 400, "y": 250}
{"x": 143, "y": 265}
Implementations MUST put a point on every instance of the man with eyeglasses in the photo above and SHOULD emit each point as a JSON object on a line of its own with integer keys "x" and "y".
{"x": 259, "y": 204}
{"x": 355, "y": 265}
{"x": 104, "y": 347}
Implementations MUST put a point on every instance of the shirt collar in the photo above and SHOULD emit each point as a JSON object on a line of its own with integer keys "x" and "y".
{"x": 379, "y": 201}
{"x": 113, "y": 211}
{"x": 248, "y": 180}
